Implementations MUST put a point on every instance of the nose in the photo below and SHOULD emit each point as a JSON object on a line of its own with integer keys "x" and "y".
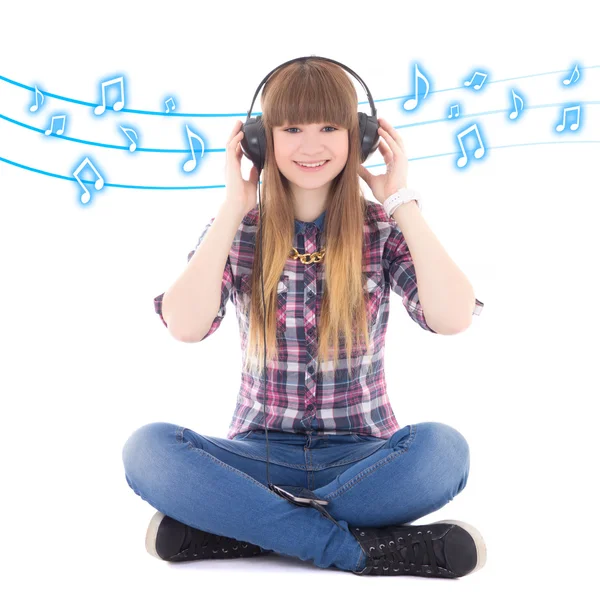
{"x": 312, "y": 141}
{"x": 311, "y": 148}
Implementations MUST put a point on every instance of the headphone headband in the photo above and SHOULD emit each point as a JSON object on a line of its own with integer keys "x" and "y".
{"x": 364, "y": 85}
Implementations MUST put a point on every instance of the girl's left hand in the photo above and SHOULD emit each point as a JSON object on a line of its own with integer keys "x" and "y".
{"x": 396, "y": 162}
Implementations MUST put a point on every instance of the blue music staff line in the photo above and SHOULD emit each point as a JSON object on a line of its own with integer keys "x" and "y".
{"x": 244, "y": 114}
{"x": 410, "y": 104}
{"x": 187, "y": 149}
{"x": 206, "y": 187}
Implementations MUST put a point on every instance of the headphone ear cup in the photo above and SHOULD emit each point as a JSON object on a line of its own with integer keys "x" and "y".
{"x": 254, "y": 142}
{"x": 369, "y": 138}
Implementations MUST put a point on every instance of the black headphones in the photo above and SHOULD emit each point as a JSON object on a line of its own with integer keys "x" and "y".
{"x": 254, "y": 146}
{"x": 254, "y": 140}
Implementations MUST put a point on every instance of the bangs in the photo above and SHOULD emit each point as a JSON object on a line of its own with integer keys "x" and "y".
{"x": 309, "y": 93}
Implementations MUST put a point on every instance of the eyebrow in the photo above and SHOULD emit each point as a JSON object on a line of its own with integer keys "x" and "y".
{"x": 300, "y": 125}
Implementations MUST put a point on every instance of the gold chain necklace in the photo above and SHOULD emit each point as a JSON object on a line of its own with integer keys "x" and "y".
{"x": 308, "y": 258}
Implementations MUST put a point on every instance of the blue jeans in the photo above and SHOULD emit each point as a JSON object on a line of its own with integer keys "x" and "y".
{"x": 220, "y": 486}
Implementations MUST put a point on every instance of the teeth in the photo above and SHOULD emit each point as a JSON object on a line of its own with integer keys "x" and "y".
{"x": 312, "y": 165}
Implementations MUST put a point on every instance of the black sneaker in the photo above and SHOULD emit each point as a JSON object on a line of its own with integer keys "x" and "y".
{"x": 174, "y": 541}
{"x": 441, "y": 549}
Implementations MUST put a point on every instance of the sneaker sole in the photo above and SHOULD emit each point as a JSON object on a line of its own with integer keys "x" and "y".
{"x": 477, "y": 538}
{"x": 152, "y": 533}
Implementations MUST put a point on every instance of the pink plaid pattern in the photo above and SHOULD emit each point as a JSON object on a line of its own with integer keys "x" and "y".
{"x": 304, "y": 394}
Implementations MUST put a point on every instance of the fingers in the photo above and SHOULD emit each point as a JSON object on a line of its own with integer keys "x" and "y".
{"x": 391, "y": 136}
{"x": 391, "y": 142}
{"x": 237, "y": 129}
{"x": 236, "y": 135}
{"x": 386, "y": 152}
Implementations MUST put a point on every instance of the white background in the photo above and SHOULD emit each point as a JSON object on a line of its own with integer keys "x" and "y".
{"x": 86, "y": 360}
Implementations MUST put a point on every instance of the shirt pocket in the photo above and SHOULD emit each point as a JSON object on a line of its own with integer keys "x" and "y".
{"x": 373, "y": 287}
{"x": 282, "y": 300}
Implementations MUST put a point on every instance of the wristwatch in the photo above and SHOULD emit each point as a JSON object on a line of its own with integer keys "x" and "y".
{"x": 402, "y": 196}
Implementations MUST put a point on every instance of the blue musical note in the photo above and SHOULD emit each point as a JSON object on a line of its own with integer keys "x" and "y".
{"x": 457, "y": 111}
{"x": 118, "y": 105}
{"x": 462, "y": 161}
{"x": 34, "y": 108}
{"x": 190, "y": 164}
{"x": 573, "y": 126}
{"x": 514, "y": 113}
{"x": 568, "y": 81}
{"x": 98, "y": 184}
{"x": 412, "y": 103}
{"x": 477, "y": 86}
{"x": 132, "y": 146}
{"x": 167, "y": 105}
{"x": 62, "y": 129}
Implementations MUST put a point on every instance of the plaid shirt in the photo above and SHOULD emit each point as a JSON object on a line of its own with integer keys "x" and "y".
{"x": 303, "y": 397}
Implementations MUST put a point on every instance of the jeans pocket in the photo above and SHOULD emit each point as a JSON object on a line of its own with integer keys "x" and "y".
{"x": 359, "y": 437}
{"x": 243, "y": 436}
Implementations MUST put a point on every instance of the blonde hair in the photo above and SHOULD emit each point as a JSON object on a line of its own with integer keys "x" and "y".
{"x": 311, "y": 91}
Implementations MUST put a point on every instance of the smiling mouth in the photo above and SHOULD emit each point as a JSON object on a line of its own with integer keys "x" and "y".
{"x": 321, "y": 165}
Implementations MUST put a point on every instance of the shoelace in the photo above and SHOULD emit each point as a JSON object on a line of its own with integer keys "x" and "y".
{"x": 403, "y": 555}
{"x": 199, "y": 545}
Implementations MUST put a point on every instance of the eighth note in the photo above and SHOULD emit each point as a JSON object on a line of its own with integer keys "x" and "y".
{"x": 568, "y": 81}
{"x": 167, "y": 103}
{"x": 462, "y": 161}
{"x": 190, "y": 164}
{"x": 36, "y": 106}
{"x": 457, "y": 111}
{"x": 411, "y": 104}
{"x": 132, "y": 146}
{"x": 514, "y": 113}
{"x": 61, "y": 130}
{"x": 573, "y": 126}
{"x": 98, "y": 184}
{"x": 118, "y": 105}
{"x": 477, "y": 86}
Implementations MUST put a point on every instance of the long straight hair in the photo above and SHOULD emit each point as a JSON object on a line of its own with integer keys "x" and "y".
{"x": 311, "y": 91}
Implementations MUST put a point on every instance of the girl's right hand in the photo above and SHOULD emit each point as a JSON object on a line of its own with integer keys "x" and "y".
{"x": 241, "y": 193}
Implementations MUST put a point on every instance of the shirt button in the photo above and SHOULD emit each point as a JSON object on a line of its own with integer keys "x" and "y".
{"x": 310, "y": 293}
{"x": 311, "y": 369}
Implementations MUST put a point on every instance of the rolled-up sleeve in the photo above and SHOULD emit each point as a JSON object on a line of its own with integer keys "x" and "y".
{"x": 398, "y": 263}
{"x": 226, "y": 288}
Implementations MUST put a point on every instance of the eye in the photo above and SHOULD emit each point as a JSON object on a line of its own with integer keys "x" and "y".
{"x": 326, "y": 127}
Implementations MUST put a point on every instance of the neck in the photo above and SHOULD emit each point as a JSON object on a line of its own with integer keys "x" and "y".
{"x": 309, "y": 204}
{"x": 309, "y": 211}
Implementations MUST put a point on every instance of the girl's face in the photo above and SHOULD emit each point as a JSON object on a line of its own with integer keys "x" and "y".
{"x": 310, "y": 144}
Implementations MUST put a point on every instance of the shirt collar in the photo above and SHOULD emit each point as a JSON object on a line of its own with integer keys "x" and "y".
{"x": 319, "y": 222}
